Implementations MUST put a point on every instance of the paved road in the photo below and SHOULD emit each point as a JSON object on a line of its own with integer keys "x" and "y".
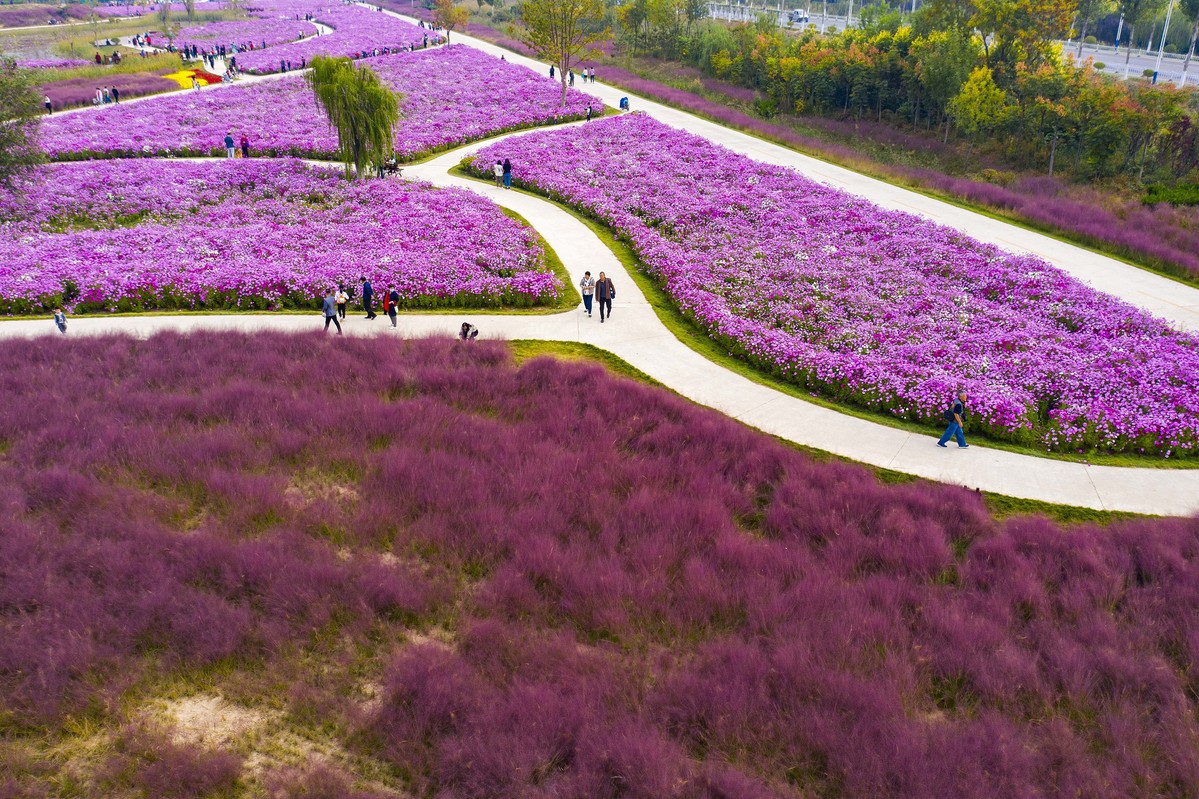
{"x": 1138, "y": 61}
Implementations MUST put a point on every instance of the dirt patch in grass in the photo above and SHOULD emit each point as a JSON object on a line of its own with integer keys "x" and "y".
{"x": 208, "y": 720}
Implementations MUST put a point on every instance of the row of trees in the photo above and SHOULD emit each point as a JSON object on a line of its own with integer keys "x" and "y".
{"x": 989, "y": 71}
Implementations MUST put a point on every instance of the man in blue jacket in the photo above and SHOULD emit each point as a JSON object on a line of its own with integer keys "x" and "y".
{"x": 368, "y": 299}
{"x": 329, "y": 306}
{"x": 955, "y": 414}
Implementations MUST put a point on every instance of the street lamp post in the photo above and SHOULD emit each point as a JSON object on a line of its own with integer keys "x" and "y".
{"x": 1161, "y": 50}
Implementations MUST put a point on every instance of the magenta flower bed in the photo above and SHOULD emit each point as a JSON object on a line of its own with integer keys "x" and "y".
{"x": 869, "y": 306}
{"x": 27, "y": 14}
{"x": 253, "y": 233}
{"x": 1168, "y": 237}
{"x": 273, "y": 31}
{"x": 451, "y": 95}
{"x": 52, "y": 63}
{"x": 676, "y": 607}
{"x": 358, "y": 32}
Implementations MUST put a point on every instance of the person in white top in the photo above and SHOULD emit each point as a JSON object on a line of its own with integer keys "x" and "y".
{"x": 587, "y": 286}
{"x": 498, "y": 171}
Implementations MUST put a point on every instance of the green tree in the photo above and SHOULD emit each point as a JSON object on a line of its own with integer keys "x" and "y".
{"x": 562, "y": 31}
{"x": 20, "y": 108}
{"x": 449, "y": 16}
{"x": 945, "y": 15}
{"x": 981, "y": 106}
{"x": 362, "y": 110}
{"x": 1089, "y": 11}
{"x": 632, "y": 18}
{"x": 1021, "y": 31}
{"x": 944, "y": 62}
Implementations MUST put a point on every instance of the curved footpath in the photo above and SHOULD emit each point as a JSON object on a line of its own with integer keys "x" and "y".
{"x": 636, "y": 335}
{"x": 1168, "y": 299}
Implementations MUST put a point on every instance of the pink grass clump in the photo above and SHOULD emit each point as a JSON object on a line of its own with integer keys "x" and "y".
{"x": 633, "y": 596}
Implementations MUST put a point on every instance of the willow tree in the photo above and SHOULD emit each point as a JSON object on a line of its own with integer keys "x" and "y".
{"x": 562, "y": 31}
{"x": 20, "y": 107}
{"x": 360, "y": 108}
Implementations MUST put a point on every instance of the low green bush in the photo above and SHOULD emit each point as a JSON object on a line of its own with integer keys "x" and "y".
{"x": 1183, "y": 194}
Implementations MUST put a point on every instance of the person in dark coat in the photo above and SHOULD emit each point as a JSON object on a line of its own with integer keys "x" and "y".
{"x": 392, "y": 301}
{"x": 368, "y": 299}
{"x": 605, "y": 292}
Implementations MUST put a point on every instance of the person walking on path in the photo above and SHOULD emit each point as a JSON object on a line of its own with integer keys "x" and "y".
{"x": 60, "y": 320}
{"x": 507, "y": 174}
{"x": 49, "y": 106}
{"x": 329, "y": 306}
{"x": 245, "y": 146}
{"x": 342, "y": 298}
{"x": 551, "y": 71}
{"x": 605, "y": 292}
{"x": 368, "y": 299}
{"x": 498, "y": 172}
{"x": 587, "y": 287}
{"x": 116, "y": 95}
{"x": 955, "y": 414}
{"x": 589, "y": 112}
{"x": 392, "y": 301}
{"x": 229, "y": 148}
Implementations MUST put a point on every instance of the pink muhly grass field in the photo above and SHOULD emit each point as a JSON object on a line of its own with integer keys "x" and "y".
{"x": 635, "y": 596}
{"x": 82, "y": 91}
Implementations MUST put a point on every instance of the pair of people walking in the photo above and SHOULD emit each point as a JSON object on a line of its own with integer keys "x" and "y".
{"x": 502, "y": 171}
{"x": 601, "y": 291}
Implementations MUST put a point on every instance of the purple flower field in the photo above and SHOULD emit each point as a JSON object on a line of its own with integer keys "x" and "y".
{"x": 357, "y": 32}
{"x": 1165, "y": 236}
{"x": 558, "y": 583}
{"x": 26, "y": 14}
{"x": 52, "y": 63}
{"x": 872, "y": 307}
{"x": 258, "y": 233}
{"x": 273, "y": 31}
{"x": 451, "y": 95}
